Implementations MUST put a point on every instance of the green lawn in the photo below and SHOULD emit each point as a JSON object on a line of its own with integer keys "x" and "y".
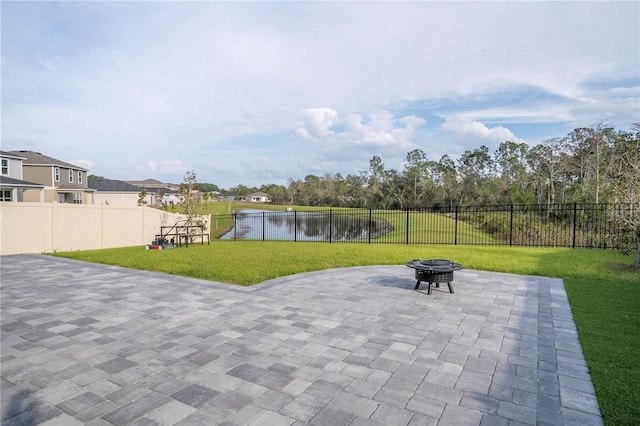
{"x": 604, "y": 297}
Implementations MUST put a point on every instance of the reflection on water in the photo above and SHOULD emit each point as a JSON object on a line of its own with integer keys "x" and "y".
{"x": 304, "y": 226}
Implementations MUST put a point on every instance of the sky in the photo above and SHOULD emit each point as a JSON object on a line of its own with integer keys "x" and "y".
{"x": 253, "y": 93}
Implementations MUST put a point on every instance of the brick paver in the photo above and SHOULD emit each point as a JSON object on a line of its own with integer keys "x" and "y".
{"x": 94, "y": 344}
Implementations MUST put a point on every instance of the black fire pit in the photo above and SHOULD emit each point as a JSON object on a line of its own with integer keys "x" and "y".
{"x": 434, "y": 271}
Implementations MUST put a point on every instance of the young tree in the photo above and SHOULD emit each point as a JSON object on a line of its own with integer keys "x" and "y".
{"x": 142, "y": 197}
{"x": 160, "y": 202}
{"x": 191, "y": 204}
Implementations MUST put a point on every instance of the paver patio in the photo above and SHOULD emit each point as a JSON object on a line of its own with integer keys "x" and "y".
{"x": 92, "y": 344}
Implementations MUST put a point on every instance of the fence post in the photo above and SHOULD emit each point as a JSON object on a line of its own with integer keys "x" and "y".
{"x": 511, "y": 228}
{"x": 369, "y": 233}
{"x": 263, "y": 226}
{"x": 235, "y": 225}
{"x": 330, "y": 224}
{"x": 295, "y": 225}
{"x": 575, "y": 216}
{"x": 455, "y": 238}
{"x": 407, "y": 233}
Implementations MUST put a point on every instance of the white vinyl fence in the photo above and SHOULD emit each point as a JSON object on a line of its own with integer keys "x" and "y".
{"x": 48, "y": 227}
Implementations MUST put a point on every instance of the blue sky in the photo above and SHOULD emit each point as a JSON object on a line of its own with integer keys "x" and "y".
{"x": 259, "y": 92}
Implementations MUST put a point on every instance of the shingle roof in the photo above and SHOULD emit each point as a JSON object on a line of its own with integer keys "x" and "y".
{"x": 9, "y": 154}
{"x": 258, "y": 194}
{"x": 111, "y": 185}
{"x": 7, "y": 181}
{"x": 37, "y": 159}
{"x": 146, "y": 182}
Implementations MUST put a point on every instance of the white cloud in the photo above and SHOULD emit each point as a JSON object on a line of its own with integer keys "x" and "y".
{"x": 380, "y": 130}
{"x": 166, "y": 167}
{"x": 317, "y": 123}
{"x": 465, "y": 129}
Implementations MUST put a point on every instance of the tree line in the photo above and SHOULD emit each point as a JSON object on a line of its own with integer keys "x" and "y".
{"x": 595, "y": 164}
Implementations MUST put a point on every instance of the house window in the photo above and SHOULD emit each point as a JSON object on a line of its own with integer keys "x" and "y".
{"x": 70, "y": 176}
{"x": 77, "y": 198}
{"x": 5, "y": 166}
{"x": 79, "y": 177}
{"x": 5, "y": 195}
{"x": 57, "y": 174}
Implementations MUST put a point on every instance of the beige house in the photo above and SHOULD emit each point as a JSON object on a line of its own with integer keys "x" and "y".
{"x": 115, "y": 192}
{"x": 159, "y": 193}
{"x": 12, "y": 186}
{"x": 63, "y": 182}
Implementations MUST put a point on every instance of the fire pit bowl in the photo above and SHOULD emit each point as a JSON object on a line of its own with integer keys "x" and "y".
{"x": 434, "y": 271}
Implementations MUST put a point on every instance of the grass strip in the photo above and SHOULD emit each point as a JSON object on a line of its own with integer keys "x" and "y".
{"x": 608, "y": 319}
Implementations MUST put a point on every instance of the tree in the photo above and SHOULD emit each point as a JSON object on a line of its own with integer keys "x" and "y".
{"x": 475, "y": 167}
{"x": 375, "y": 177}
{"x": 415, "y": 173}
{"x": 625, "y": 176}
{"x": 277, "y": 193}
{"x": 511, "y": 163}
{"x": 241, "y": 191}
{"x": 160, "y": 202}
{"x": 590, "y": 160}
{"x": 142, "y": 197}
{"x": 447, "y": 179}
{"x": 207, "y": 187}
{"x": 191, "y": 203}
{"x": 356, "y": 190}
{"x": 548, "y": 162}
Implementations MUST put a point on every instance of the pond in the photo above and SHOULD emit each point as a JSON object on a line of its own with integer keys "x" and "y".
{"x": 303, "y": 226}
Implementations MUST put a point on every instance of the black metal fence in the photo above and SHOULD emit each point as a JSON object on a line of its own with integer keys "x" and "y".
{"x": 541, "y": 225}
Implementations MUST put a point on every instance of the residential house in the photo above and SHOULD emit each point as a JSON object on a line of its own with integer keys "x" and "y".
{"x": 115, "y": 192}
{"x": 63, "y": 182}
{"x": 160, "y": 192}
{"x": 122, "y": 193}
{"x": 153, "y": 184}
{"x": 227, "y": 197}
{"x": 12, "y": 187}
{"x": 257, "y": 197}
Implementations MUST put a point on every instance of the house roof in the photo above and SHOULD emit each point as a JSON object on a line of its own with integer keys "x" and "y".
{"x": 152, "y": 183}
{"x": 111, "y": 185}
{"x": 10, "y": 155}
{"x": 259, "y": 194}
{"x": 33, "y": 158}
{"x": 17, "y": 183}
{"x": 114, "y": 185}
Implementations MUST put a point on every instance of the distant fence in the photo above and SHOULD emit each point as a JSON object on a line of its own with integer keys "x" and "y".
{"x": 48, "y": 227}
{"x": 542, "y": 225}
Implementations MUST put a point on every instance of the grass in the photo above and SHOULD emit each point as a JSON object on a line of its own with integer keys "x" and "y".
{"x": 604, "y": 298}
{"x": 607, "y": 316}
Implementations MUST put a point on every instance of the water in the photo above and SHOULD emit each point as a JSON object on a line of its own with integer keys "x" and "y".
{"x": 299, "y": 226}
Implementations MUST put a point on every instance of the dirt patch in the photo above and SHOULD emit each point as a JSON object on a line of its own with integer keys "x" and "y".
{"x": 624, "y": 267}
